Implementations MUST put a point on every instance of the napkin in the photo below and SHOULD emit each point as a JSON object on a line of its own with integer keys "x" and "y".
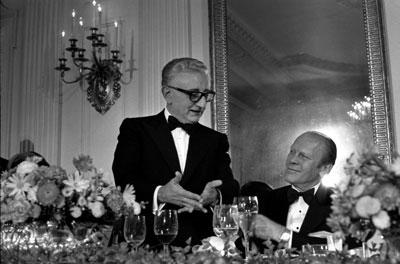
{"x": 334, "y": 244}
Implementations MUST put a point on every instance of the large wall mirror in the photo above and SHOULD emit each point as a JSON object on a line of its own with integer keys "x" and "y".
{"x": 282, "y": 67}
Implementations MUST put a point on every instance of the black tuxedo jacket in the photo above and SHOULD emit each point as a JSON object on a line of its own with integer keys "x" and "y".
{"x": 146, "y": 157}
{"x": 276, "y": 207}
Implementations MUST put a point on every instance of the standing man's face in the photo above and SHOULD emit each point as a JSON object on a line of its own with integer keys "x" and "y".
{"x": 178, "y": 103}
{"x": 303, "y": 160}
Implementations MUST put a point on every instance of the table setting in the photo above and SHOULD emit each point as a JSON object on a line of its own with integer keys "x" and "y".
{"x": 49, "y": 216}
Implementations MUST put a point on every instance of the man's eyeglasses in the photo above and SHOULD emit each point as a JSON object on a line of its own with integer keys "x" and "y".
{"x": 195, "y": 96}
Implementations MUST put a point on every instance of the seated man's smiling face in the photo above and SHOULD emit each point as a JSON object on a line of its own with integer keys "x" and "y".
{"x": 303, "y": 162}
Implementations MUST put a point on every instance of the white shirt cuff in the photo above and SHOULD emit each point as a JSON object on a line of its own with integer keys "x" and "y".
{"x": 155, "y": 200}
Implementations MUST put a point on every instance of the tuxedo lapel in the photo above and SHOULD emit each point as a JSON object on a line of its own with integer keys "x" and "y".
{"x": 282, "y": 206}
{"x": 198, "y": 146}
{"x": 160, "y": 133}
{"x": 317, "y": 211}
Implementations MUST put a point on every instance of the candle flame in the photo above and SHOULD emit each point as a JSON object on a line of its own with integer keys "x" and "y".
{"x": 73, "y": 13}
{"x": 63, "y": 33}
{"x": 99, "y": 7}
{"x": 81, "y": 21}
{"x": 116, "y": 23}
{"x": 94, "y": 2}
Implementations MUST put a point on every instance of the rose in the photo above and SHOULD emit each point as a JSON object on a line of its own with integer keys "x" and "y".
{"x": 381, "y": 220}
{"x": 20, "y": 210}
{"x": 26, "y": 167}
{"x": 357, "y": 190}
{"x": 367, "y": 206}
{"x": 388, "y": 195}
{"x": 97, "y": 208}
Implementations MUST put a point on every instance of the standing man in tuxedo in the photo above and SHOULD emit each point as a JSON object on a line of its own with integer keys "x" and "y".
{"x": 172, "y": 160}
{"x": 296, "y": 214}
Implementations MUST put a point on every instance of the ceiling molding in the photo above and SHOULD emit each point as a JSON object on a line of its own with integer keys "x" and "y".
{"x": 252, "y": 48}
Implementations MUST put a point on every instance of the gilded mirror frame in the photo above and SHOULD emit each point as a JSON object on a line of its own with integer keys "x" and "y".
{"x": 377, "y": 73}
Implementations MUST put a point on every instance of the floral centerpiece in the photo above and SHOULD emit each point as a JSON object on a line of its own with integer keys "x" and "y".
{"x": 368, "y": 200}
{"x": 31, "y": 193}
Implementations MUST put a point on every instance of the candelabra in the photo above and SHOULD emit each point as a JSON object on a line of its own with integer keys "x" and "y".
{"x": 103, "y": 76}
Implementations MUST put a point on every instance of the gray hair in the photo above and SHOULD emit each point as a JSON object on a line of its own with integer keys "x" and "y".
{"x": 181, "y": 65}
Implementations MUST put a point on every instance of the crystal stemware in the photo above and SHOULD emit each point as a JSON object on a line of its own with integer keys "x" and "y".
{"x": 166, "y": 227}
{"x": 134, "y": 230}
{"x": 247, "y": 207}
{"x": 225, "y": 221}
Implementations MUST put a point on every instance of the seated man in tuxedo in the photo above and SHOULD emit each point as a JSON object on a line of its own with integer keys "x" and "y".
{"x": 293, "y": 215}
{"x": 172, "y": 160}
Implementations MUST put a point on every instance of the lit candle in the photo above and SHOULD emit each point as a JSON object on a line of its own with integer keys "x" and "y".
{"x": 99, "y": 9}
{"x": 73, "y": 22}
{"x": 82, "y": 30}
{"x": 94, "y": 13}
{"x": 116, "y": 34}
{"x": 62, "y": 43}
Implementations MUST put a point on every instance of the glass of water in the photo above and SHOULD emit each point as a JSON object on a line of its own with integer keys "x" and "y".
{"x": 225, "y": 221}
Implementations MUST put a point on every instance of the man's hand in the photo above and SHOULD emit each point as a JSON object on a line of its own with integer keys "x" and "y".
{"x": 264, "y": 228}
{"x": 173, "y": 193}
{"x": 210, "y": 193}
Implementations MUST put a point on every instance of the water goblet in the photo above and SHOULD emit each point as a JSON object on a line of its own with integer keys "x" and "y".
{"x": 166, "y": 227}
{"x": 225, "y": 221}
{"x": 134, "y": 230}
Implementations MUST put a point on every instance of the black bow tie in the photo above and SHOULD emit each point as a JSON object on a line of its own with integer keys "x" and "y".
{"x": 293, "y": 195}
{"x": 174, "y": 123}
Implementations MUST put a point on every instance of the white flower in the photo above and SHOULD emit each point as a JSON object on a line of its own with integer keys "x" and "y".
{"x": 26, "y": 167}
{"x": 76, "y": 211}
{"x": 77, "y": 182}
{"x": 357, "y": 190}
{"x": 97, "y": 209}
{"x": 129, "y": 195}
{"x": 136, "y": 208}
{"x": 367, "y": 206}
{"x": 31, "y": 196}
{"x": 381, "y": 220}
{"x": 18, "y": 184}
{"x": 216, "y": 242}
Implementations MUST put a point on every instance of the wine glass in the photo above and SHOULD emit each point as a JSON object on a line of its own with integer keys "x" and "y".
{"x": 225, "y": 221}
{"x": 247, "y": 207}
{"x": 134, "y": 229}
{"x": 166, "y": 227}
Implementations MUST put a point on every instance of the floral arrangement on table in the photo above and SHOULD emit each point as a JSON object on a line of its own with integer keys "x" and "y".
{"x": 29, "y": 192}
{"x": 368, "y": 200}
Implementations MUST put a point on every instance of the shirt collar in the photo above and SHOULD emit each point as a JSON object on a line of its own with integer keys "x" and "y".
{"x": 166, "y": 113}
{"x": 316, "y": 186}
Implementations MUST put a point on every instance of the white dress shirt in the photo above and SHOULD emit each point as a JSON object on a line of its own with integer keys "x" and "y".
{"x": 297, "y": 213}
{"x": 181, "y": 140}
